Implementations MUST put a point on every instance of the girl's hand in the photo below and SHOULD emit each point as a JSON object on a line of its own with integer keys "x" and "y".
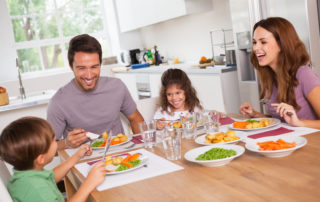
{"x": 288, "y": 113}
{"x": 161, "y": 124}
{"x": 247, "y": 110}
{"x": 84, "y": 150}
{"x": 96, "y": 175}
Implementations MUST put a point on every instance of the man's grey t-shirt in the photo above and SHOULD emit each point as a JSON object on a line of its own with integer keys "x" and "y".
{"x": 94, "y": 111}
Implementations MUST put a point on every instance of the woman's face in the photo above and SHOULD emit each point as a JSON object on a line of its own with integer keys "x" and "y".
{"x": 265, "y": 47}
{"x": 176, "y": 97}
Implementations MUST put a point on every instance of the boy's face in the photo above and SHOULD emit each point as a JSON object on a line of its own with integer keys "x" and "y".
{"x": 176, "y": 98}
{"x": 51, "y": 152}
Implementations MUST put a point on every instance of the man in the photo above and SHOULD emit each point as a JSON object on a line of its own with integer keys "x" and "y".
{"x": 89, "y": 103}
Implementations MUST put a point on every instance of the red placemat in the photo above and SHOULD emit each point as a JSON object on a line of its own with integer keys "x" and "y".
{"x": 226, "y": 120}
{"x": 137, "y": 139}
{"x": 274, "y": 132}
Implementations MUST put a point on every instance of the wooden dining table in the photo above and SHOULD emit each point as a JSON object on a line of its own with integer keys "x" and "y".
{"x": 250, "y": 177}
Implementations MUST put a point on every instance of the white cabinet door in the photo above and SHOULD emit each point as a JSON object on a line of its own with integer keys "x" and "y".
{"x": 130, "y": 81}
{"x": 133, "y": 14}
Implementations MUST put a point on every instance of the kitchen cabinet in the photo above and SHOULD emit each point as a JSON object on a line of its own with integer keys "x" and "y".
{"x": 217, "y": 87}
{"x": 139, "y": 13}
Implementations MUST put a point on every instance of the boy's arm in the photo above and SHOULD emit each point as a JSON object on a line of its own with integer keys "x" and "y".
{"x": 95, "y": 177}
{"x": 61, "y": 170}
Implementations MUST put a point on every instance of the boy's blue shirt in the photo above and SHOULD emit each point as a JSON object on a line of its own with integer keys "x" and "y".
{"x": 33, "y": 186}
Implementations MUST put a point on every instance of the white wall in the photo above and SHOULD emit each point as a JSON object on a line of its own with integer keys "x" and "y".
{"x": 188, "y": 37}
{"x": 7, "y": 53}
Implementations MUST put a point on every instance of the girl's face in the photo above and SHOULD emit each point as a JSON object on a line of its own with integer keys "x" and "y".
{"x": 265, "y": 47}
{"x": 176, "y": 98}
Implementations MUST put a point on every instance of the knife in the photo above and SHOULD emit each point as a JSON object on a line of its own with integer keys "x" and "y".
{"x": 107, "y": 145}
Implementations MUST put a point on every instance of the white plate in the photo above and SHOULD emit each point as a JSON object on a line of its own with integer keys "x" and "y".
{"x": 202, "y": 139}
{"x": 252, "y": 146}
{"x": 275, "y": 122}
{"x": 143, "y": 159}
{"x": 101, "y": 139}
{"x": 192, "y": 154}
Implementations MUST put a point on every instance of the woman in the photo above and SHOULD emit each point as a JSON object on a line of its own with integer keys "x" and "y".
{"x": 281, "y": 60}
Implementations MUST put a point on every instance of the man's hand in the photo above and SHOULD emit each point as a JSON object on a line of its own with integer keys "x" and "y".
{"x": 75, "y": 138}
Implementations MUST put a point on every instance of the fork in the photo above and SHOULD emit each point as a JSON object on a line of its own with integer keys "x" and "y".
{"x": 266, "y": 101}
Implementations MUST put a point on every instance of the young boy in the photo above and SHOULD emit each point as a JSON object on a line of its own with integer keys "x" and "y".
{"x": 29, "y": 144}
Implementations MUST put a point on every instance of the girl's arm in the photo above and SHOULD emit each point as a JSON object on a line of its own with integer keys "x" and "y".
{"x": 61, "y": 170}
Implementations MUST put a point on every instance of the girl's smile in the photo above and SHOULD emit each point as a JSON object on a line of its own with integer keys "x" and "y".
{"x": 176, "y": 98}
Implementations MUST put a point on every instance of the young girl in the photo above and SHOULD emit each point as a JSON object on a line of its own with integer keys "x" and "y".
{"x": 29, "y": 144}
{"x": 177, "y": 97}
{"x": 281, "y": 60}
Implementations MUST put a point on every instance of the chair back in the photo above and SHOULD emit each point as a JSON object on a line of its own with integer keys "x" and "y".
{"x": 147, "y": 107}
{"x": 4, "y": 178}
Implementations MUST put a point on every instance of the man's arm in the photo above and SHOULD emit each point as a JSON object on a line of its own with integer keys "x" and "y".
{"x": 134, "y": 119}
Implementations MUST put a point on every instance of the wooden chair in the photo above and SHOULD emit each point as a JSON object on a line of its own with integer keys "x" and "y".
{"x": 5, "y": 176}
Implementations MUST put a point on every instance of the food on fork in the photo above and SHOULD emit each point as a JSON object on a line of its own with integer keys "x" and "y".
{"x": 105, "y": 135}
{"x": 221, "y": 137}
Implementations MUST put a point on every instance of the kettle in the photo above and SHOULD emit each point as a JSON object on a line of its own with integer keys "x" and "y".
{"x": 124, "y": 58}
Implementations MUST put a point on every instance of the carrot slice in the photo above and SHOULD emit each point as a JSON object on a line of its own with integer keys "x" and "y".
{"x": 134, "y": 157}
{"x": 126, "y": 164}
{"x": 127, "y": 157}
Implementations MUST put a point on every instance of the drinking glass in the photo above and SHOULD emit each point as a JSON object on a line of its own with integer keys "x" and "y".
{"x": 213, "y": 122}
{"x": 171, "y": 139}
{"x": 148, "y": 130}
{"x": 189, "y": 126}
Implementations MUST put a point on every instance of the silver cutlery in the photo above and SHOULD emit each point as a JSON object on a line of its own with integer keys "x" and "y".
{"x": 107, "y": 145}
{"x": 266, "y": 101}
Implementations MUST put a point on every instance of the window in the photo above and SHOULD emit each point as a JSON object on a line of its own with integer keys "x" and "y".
{"x": 43, "y": 28}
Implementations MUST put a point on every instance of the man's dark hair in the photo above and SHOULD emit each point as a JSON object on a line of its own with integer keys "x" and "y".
{"x": 83, "y": 43}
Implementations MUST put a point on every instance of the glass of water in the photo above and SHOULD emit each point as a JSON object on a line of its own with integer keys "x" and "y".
{"x": 171, "y": 140}
{"x": 189, "y": 126}
{"x": 148, "y": 131}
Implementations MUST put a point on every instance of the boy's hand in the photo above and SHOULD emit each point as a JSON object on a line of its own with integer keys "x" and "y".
{"x": 96, "y": 175}
{"x": 76, "y": 137}
{"x": 161, "y": 124}
{"x": 84, "y": 150}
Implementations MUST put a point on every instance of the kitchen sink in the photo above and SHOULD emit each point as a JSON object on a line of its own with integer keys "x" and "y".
{"x": 32, "y": 99}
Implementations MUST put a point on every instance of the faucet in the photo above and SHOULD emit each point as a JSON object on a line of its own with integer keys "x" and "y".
{"x": 21, "y": 88}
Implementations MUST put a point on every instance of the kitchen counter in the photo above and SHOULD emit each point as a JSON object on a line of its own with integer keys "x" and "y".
{"x": 188, "y": 68}
{"x": 33, "y": 99}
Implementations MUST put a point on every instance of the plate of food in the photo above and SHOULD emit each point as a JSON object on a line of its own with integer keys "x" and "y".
{"x": 254, "y": 124}
{"x": 227, "y": 137}
{"x": 124, "y": 163}
{"x": 119, "y": 139}
{"x": 214, "y": 155}
{"x": 275, "y": 146}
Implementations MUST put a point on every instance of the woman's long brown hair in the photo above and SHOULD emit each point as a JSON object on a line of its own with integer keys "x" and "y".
{"x": 293, "y": 54}
{"x": 181, "y": 80}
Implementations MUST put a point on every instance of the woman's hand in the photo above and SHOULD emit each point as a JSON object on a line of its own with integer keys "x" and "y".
{"x": 247, "y": 110}
{"x": 288, "y": 113}
{"x": 161, "y": 124}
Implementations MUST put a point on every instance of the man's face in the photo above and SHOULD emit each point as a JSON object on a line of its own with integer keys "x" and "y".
{"x": 86, "y": 68}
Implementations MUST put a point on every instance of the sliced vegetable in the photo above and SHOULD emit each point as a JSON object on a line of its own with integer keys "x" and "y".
{"x": 134, "y": 157}
{"x": 278, "y": 145}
